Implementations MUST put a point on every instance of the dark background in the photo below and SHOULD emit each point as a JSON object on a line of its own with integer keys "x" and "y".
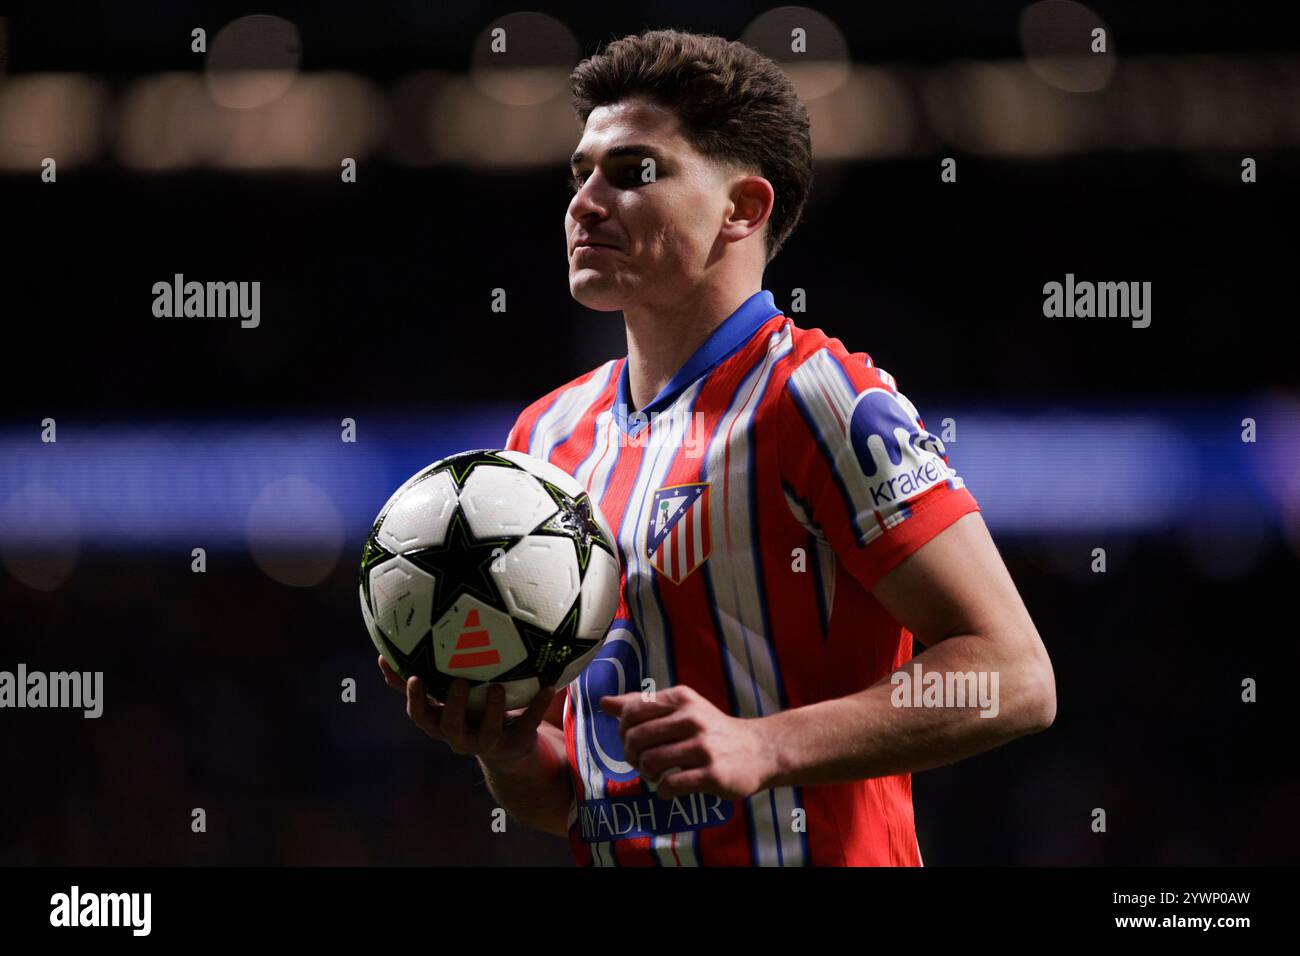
{"x": 222, "y": 689}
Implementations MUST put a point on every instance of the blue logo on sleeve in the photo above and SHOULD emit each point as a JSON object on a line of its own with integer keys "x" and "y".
{"x": 899, "y": 458}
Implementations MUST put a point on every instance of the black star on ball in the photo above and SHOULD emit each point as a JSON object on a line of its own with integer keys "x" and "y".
{"x": 461, "y": 565}
{"x": 574, "y": 520}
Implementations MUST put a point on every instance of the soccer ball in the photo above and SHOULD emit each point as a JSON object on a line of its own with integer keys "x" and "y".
{"x": 493, "y": 566}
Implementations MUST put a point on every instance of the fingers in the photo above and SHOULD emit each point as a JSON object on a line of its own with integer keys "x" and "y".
{"x": 390, "y": 676}
{"x": 660, "y": 761}
{"x": 427, "y": 716}
{"x": 488, "y": 733}
{"x": 493, "y": 721}
{"x": 686, "y": 781}
{"x": 653, "y": 733}
{"x": 452, "y": 722}
{"x": 636, "y": 711}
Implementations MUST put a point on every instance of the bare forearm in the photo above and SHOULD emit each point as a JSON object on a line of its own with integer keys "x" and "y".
{"x": 535, "y": 789}
{"x": 865, "y": 735}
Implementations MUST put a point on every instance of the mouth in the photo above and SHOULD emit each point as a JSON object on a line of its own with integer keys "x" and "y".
{"x": 592, "y": 248}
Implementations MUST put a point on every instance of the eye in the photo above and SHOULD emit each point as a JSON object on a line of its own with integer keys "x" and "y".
{"x": 576, "y": 180}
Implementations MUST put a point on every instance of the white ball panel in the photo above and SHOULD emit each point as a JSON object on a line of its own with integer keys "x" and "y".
{"x": 402, "y": 595}
{"x": 540, "y": 580}
{"x": 544, "y": 469}
{"x": 398, "y": 493}
{"x": 475, "y": 641}
{"x": 501, "y": 501}
{"x": 420, "y": 516}
{"x": 599, "y": 596}
{"x": 373, "y": 631}
{"x": 565, "y": 482}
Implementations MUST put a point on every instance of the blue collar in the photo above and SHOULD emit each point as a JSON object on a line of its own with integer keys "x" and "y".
{"x": 737, "y": 329}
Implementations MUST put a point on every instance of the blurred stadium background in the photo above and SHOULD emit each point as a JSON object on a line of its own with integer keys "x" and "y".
{"x": 222, "y": 689}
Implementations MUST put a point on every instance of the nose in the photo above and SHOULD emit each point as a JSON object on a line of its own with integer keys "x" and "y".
{"x": 590, "y": 203}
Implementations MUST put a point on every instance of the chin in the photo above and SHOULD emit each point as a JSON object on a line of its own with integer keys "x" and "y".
{"x": 597, "y": 292}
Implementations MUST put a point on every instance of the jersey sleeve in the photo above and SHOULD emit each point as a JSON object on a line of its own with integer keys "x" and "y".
{"x": 514, "y": 441}
{"x": 860, "y": 470}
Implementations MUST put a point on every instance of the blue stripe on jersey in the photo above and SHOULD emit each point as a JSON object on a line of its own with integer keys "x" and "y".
{"x": 819, "y": 587}
{"x": 721, "y": 641}
{"x": 802, "y": 404}
{"x": 803, "y": 836}
{"x": 669, "y": 659}
{"x": 776, "y": 817}
{"x": 731, "y": 406}
{"x": 656, "y": 594}
{"x": 814, "y": 553}
{"x": 737, "y": 329}
{"x": 751, "y": 477}
{"x": 824, "y": 618}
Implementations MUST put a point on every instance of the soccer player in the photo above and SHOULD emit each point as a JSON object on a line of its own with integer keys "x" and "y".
{"x": 785, "y": 522}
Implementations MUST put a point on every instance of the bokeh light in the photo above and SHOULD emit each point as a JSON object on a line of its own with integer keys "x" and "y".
{"x": 807, "y": 44}
{"x": 276, "y": 522}
{"x": 40, "y": 537}
{"x": 169, "y": 122}
{"x": 1057, "y": 37}
{"x": 467, "y": 126}
{"x": 55, "y": 115}
{"x": 524, "y": 59}
{"x": 252, "y": 61}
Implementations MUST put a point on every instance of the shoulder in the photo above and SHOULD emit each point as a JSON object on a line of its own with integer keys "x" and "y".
{"x": 820, "y": 377}
{"x": 594, "y": 381}
{"x": 571, "y": 398}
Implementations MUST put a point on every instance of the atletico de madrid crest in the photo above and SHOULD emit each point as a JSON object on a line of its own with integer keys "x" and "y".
{"x": 678, "y": 539}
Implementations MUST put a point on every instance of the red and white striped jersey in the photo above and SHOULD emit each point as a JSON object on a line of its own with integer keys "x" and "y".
{"x": 755, "y": 501}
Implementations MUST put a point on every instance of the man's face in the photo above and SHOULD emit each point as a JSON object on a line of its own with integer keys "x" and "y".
{"x": 649, "y": 241}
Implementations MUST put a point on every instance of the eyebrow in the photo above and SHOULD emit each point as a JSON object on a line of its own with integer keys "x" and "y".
{"x": 614, "y": 152}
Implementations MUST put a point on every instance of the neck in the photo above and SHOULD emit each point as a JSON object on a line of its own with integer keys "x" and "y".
{"x": 662, "y": 336}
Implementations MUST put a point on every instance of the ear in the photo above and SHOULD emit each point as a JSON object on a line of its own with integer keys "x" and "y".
{"x": 752, "y": 198}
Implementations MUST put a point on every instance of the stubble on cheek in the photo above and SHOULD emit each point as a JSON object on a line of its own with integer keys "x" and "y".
{"x": 673, "y": 257}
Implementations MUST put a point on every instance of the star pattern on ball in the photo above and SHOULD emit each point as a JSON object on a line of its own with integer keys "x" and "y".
{"x": 574, "y": 520}
{"x": 460, "y": 466}
{"x": 549, "y": 654}
{"x": 462, "y": 565}
{"x": 469, "y": 571}
{"x": 371, "y": 555}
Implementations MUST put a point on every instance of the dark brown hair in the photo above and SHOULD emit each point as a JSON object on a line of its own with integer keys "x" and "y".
{"x": 733, "y": 103}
